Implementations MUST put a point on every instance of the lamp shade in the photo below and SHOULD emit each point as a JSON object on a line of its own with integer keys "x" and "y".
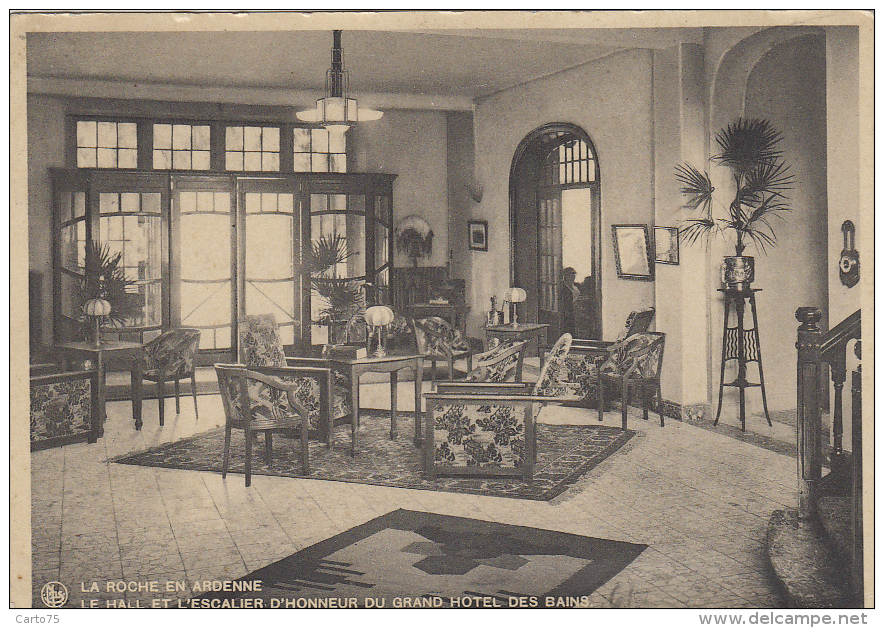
{"x": 379, "y": 316}
{"x": 97, "y": 307}
{"x": 515, "y": 295}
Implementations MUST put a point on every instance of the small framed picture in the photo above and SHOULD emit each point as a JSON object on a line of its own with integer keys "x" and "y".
{"x": 478, "y": 235}
{"x": 666, "y": 245}
{"x": 632, "y": 252}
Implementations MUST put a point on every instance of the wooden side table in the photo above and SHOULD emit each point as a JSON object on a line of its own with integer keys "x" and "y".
{"x": 391, "y": 364}
{"x": 521, "y": 331}
{"x": 97, "y": 353}
{"x": 742, "y": 345}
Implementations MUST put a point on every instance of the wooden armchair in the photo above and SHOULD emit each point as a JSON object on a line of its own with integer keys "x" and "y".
{"x": 255, "y": 402}
{"x": 635, "y": 362}
{"x": 323, "y": 383}
{"x": 170, "y": 356}
{"x": 490, "y": 428}
{"x": 438, "y": 340}
{"x": 586, "y": 355}
{"x": 502, "y": 363}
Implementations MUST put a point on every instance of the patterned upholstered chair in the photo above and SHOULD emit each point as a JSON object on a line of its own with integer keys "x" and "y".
{"x": 323, "y": 383}
{"x": 502, "y": 363}
{"x": 634, "y": 362}
{"x": 64, "y": 408}
{"x": 487, "y": 428}
{"x": 586, "y": 355}
{"x": 255, "y": 402}
{"x": 169, "y": 357}
{"x": 438, "y": 340}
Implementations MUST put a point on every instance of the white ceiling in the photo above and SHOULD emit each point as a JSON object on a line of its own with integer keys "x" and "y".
{"x": 456, "y": 63}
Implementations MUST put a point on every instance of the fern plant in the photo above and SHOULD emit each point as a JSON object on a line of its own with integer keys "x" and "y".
{"x": 750, "y": 149}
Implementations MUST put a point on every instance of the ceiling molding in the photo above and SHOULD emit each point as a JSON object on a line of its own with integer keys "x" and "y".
{"x": 128, "y": 90}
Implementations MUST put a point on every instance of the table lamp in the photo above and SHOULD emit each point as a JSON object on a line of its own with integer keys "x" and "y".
{"x": 378, "y": 317}
{"x": 97, "y": 309}
{"x": 515, "y": 295}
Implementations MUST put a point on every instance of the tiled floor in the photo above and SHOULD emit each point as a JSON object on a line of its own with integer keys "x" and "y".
{"x": 700, "y": 500}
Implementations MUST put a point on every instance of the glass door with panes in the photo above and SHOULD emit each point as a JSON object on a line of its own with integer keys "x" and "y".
{"x": 128, "y": 219}
{"x": 269, "y": 237}
{"x": 203, "y": 271}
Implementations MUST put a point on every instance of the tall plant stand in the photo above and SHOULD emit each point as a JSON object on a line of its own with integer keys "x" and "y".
{"x": 742, "y": 345}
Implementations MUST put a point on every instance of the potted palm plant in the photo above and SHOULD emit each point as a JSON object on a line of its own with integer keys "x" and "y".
{"x": 342, "y": 296}
{"x": 106, "y": 279}
{"x": 749, "y": 148}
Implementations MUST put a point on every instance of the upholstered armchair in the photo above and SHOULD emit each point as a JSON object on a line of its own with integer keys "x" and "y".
{"x": 170, "y": 356}
{"x": 438, "y": 340}
{"x": 502, "y": 363}
{"x": 586, "y": 355}
{"x": 255, "y": 402}
{"x": 634, "y": 362}
{"x": 488, "y": 428}
{"x": 64, "y": 408}
{"x": 323, "y": 384}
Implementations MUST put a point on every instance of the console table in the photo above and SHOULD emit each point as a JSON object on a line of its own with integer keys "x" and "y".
{"x": 742, "y": 345}
{"x": 97, "y": 353}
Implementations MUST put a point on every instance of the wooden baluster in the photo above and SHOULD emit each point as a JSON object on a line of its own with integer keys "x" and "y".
{"x": 838, "y": 367}
{"x": 857, "y": 573}
{"x": 809, "y": 412}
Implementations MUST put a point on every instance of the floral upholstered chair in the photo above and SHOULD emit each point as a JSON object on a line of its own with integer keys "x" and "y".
{"x": 322, "y": 385}
{"x": 586, "y": 355}
{"x": 438, "y": 340}
{"x": 254, "y": 402}
{"x": 169, "y": 357}
{"x": 502, "y": 363}
{"x": 634, "y": 362}
{"x": 489, "y": 428}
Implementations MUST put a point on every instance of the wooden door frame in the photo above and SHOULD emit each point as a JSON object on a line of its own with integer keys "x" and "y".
{"x": 523, "y": 148}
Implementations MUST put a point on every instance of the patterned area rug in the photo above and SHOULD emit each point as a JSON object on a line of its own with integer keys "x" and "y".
{"x": 408, "y": 559}
{"x": 565, "y": 452}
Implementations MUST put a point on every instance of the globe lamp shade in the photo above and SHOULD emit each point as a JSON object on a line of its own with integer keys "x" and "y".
{"x": 379, "y": 316}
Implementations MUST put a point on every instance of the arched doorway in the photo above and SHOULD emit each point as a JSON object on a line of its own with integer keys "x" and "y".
{"x": 555, "y": 222}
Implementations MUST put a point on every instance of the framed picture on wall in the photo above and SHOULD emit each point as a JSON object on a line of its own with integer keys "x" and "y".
{"x": 666, "y": 245}
{"x": 632, "y": 252}
{"x": 478, "y": 235}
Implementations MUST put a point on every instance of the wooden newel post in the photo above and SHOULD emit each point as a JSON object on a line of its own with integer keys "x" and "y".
{"x": 857, "y": 572}
{"x": 810, "y": 450}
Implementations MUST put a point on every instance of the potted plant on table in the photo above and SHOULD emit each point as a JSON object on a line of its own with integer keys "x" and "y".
{"x": 342, "y": 296}
{"x": 749, "y": 148}
{"x": 106, "y": 280}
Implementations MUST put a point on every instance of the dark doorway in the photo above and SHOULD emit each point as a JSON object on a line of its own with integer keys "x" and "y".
{"x": 555, "y": 221}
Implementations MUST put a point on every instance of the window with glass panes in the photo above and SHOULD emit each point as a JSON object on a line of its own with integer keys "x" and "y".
{"x": 318, "y": 150}
{"x": 181, "y": 147}
{"x": 252, "y": 148}
{"x": 103, "y": 144}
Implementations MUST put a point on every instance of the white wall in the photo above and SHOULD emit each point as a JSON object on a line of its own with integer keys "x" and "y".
{"x": 611, "y": 100}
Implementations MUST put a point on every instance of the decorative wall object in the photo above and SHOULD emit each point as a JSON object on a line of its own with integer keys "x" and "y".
{"x": 848, "y": 265}
{"x": 666, "y": 245}
{"x": 632, "y": 252}
{"x": 478, "y": 235}
{"x": 414, "y": 238}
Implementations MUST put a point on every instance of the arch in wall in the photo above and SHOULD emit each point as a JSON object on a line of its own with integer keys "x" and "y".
{"x": 745, "y": 84}
{"x": 555, "y": 179}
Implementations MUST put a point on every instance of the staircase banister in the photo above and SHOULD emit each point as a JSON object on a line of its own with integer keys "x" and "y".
{"x": 834, "y": 342}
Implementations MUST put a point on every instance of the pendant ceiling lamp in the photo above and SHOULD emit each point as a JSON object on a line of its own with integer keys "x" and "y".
{"x": 337, "y": 111}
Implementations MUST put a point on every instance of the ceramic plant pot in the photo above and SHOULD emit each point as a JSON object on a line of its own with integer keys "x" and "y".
{"x": 738, "y": 272}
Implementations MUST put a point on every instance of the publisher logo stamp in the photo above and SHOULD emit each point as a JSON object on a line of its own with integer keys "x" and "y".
{"x": 54, "y": 594}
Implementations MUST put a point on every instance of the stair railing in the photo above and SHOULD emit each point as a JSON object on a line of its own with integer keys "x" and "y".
{"x": 814, "y": 349}
{"x": 857, "y": 574}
